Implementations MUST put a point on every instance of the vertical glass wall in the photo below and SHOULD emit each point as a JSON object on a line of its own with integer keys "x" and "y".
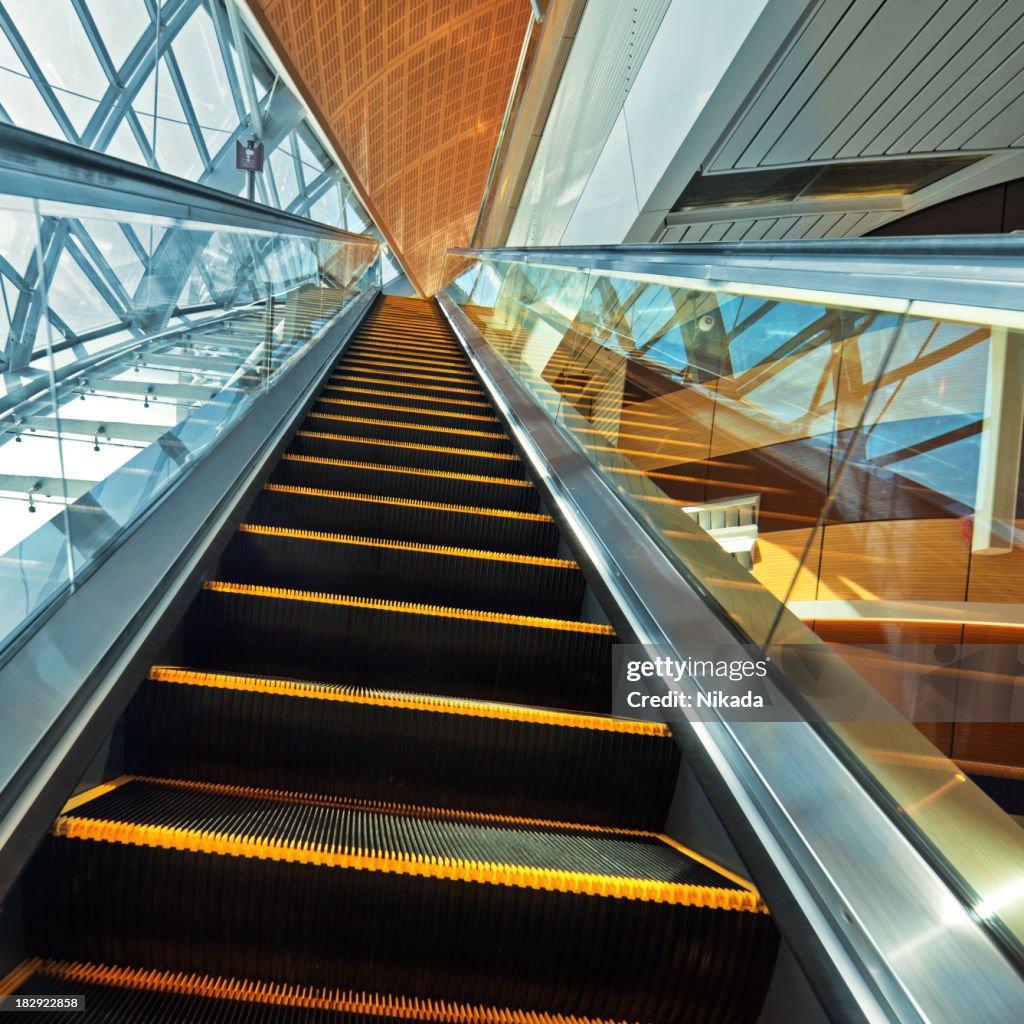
{"x": 162, "y": 83}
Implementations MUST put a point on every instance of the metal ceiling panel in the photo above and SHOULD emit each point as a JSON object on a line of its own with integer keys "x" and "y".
{"x": 813, "y": 40}
{"x": 865, "y": 78}
{"x": 862, "y": 45}
{"x": 412, "y": 93}
{"x": 869, "y": 127}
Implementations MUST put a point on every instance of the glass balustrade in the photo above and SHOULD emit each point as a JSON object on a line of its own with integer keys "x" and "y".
{"x": 137, "y": 364}
{"x": 841, "y": 475}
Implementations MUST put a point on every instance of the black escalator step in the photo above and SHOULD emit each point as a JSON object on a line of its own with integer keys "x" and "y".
{"x": 400, "y": 412}
{"x": 425, "y": 376}
{"x": 377, "y": 745}
{"x": 433, "y": 401}
{"x": 398, "y": 453}
{"x": 392, "y": 430}
{"x": 426, "y": 369}
{"x": 134, "y": 995}
{"x": 443, "y": 350}
{"x": 342, "y": 638}
{"x": 426, "y": 903}
{"x": 403, "y": 571}
{"x": 342, "y": 376}
{"x": 441, "y": 359}
{"x": 414, "y": 332}
{"x": 454, "y": 364}
{"x": 403, "y": 482}
{"x": 370, "y": 515}
{"x": 435, "y": 842}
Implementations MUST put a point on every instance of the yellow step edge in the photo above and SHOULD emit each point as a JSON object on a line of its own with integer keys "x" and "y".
{"x": 410, "y": 343}
{"x": 414, "y": 350}
{"x": 400, "y": 810}
{"x": 362, "y": 404}
{"x": 407, "y": 608}
{"x": 239, "y": 990}
{"x": 375, "y": 364}
{"x": 399, "y": 394}
{"x": 436, "y": 506}
{"x": 405, "y": 426}
{"x": 427, "y": 703}
{"x": 96, "y": 791}
{"x": 366, "y": 348}
{"x": 12, "y": 981}
{"x": 419, "y": 345}
{"x": 452, "y": 869}
{"x": 403, "y": 545}
{"x": 340, "y": 375}
{"x": 441, "y": 474}
{"x": 420, "y": 341}
{"x": 504, "y": 456}
{"x": 391, "y": 363}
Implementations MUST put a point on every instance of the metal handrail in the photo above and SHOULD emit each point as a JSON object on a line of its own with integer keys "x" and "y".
{"x": 968, "y": 270}
{"x": 36, "y": 167}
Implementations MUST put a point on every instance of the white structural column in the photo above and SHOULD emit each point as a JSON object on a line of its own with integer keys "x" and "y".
{"x": 999, "y": 470}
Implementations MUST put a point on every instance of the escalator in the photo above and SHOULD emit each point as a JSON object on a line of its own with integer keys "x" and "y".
{"x": 376, "y": 777}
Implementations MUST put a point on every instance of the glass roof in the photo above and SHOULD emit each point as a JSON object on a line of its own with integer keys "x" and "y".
{"x": 155, "y": 82}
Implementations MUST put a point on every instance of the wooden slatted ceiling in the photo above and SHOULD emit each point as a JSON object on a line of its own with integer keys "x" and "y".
{"x": 412, "y": 93}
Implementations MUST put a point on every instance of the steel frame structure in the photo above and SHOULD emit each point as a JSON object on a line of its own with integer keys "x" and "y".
{"x": 277, "y": 118}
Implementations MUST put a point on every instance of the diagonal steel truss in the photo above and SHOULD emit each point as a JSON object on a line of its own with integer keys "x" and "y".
{"x": 278, "y": 117}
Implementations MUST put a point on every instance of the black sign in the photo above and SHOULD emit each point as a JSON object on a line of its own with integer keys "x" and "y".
{"x": 249, "y": 155}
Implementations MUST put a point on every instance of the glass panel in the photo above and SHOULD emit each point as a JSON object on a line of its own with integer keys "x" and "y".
{"x": 64, "y": 55}
{"x": 176, "y": 151}
{"x": 117, "y": 251}
{"x": 75, "y": 471}
{"x": 823, "y": 471}
{"x": 121, "y": 23}
{"x": 19, "y": 96}
{"x": 283, "y": 164}
{"x": 75, "y": 299}
{"x": 198, "y": 56}
{"x": 124, "y": 145}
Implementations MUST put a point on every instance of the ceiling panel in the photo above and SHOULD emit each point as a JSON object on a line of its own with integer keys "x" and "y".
{"x": 412, "y": 93}
{"x": 868, "y": 78}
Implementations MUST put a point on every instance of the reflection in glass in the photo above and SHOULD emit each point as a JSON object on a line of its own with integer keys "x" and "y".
{"x": 821, "y": 472}
{"x": 212, "y": 320}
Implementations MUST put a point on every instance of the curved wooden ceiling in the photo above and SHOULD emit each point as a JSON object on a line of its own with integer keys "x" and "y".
{"x": 412, "y": 93}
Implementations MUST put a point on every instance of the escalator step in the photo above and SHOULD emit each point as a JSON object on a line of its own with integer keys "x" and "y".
{"x": 425, "y": 401}
{"x": 415, "y": 358}
{"x": 539, "y": 917}
{"x": 412, "y": 373}
{"x": 407, "y": 453}
{"x": 403, "y": 570}
{"x": 343, "y": 376}
{"x": 376, "y": 745}
{"x": 142, "y": 996}
{"x": 476, "y": 420}
{"x": 349, "y": 639}
{"x": 391, "y": 430}
{"x": 443, "y": 359}
{"x": 369, "y": 515}
{"x": 404, "y": 482}
{"x": 423, "y": 841}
